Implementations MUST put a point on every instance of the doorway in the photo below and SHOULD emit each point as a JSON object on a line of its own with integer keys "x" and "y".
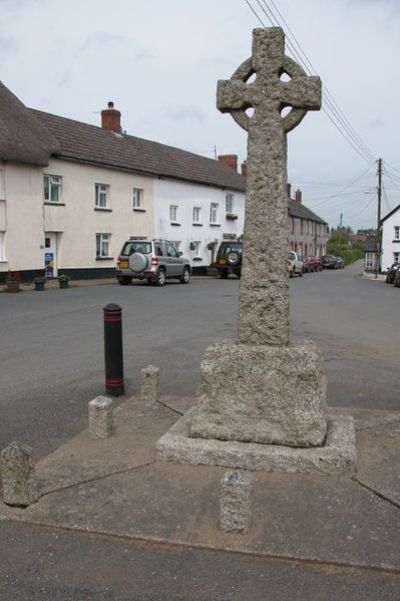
{"x": 50, "y": 255}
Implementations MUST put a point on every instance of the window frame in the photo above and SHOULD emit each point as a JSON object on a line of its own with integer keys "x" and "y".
{"x": 101, "y": 237}
{"x": 196, "y": 210}
{"x": 214, "y": 208}
{"x": 396, "y": 232}
{"x": 137, "y": 198}
{"x": 173, "y": 213}
{"x": 52, "y": 185}
{"x": 101, "y": 189}
{"x": 229, "y": 199}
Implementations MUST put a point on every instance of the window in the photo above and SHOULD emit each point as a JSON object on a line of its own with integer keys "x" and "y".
{"x": 101, "y": 196}
{"x": 370, "y": 262}
{"x": 229, "y": 203}
{"x": 196, "y": 214}
{"x": 52, "y": 188}
{"x": 2, "y": 254}
{"x": 177, "y": 244}
{"x": 292, "y": 224}
{"x": 214, "y": 212}
{"x": 137, "y": 198}
{"x": 396, "y": 257}
{"x": 171, "y": 250}
{"x": 173, "y": 213}
{"x": 301, "y": 226}
{"x": 397, "y": 232}
{"x": 102, "y": 245}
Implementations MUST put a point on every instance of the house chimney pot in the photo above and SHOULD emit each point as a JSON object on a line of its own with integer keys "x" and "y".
{"x": 229, "y": 159}
{"x": 244, "y": 168}
{"x": 298, "y": 195}
{"x": 111, "y": 119}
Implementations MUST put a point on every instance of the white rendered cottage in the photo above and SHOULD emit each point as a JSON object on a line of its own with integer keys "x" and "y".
{"x": 72, "y": 193}
{"x": 390, "y": 246}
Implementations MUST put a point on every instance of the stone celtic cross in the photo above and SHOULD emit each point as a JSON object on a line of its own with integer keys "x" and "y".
{"x": 264, "y": 294}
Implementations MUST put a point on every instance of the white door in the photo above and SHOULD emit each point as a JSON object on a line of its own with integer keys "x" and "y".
{"x": 50, "y": 255}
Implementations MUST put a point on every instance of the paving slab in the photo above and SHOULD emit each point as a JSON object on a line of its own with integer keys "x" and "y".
{"x": 379, "y": 465}
{"x": 123, "y": 492}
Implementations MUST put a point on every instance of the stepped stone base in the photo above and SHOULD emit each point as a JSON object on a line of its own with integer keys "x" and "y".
{"x": 262, "y": 394}
{"x": 337, "y": 456}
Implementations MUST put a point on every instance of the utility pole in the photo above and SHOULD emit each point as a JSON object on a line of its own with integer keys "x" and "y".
{"x": 378, "y": 229}
{"x": 341, "y": 220}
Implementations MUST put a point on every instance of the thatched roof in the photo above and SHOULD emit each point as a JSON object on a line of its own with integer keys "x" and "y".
{"x": 22, "y": 137}
{"x": 94, "y": 145}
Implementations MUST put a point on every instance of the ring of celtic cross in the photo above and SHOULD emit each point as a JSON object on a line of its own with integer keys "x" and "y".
{"x": 288, "y": 67}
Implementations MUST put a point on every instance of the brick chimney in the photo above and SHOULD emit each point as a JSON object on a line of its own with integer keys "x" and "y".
{"x": 289, "y": 190}
{"x": 229, "y": 159}
{"x": 298, "y": 195}
{"x": 244, "y": 168}
{"x": 111, "y": 119}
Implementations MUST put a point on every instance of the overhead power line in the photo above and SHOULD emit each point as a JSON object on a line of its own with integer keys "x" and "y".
{"x": 331, "y": 110}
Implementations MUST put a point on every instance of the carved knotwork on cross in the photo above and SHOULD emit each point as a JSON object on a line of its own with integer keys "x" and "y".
{"x": 264, "y": 295}
{"x": 269, "y": 94}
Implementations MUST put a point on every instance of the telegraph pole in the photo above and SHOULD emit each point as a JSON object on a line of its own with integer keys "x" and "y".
{"x": 378, "y": 229}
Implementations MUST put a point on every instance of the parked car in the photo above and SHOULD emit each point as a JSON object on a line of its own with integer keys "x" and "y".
{"x": 229, "y": 258}
{"x": 295, "y": 265}
{"x": 390, "y": 275}
{"x": 308, "y": 265}
{"x": 329, "y": 262}
{"x": 339, "y": 263}
{"x": 396, "y": 280}
{"x": 316, "y": 263}
{"x": 151, "y": 260}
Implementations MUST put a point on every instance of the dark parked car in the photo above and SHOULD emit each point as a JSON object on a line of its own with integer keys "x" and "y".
{"x": 229, "y": 258}
{"x": 397, "y": 277}
{"x": 340, "y": 263}
{"x": 390, "y": 275}
{"x": 329, "y": 262}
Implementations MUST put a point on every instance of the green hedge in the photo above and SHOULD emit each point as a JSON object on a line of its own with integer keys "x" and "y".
{"x": 348, "y": 255}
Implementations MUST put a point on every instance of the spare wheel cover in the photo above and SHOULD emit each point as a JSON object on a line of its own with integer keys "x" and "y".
{"x": 138, "y": 262}
{"x": 233, "y": 258}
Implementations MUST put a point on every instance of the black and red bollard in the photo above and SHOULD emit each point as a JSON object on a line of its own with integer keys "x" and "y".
{"x": 113, "y": 355}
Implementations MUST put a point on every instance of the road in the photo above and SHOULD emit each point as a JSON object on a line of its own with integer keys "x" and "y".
{"x": 51, "y": 355}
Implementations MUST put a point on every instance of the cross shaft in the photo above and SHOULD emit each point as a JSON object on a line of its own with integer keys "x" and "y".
{"x": 264, "y": 295}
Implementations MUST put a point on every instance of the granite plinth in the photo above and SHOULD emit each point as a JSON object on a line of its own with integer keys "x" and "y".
{"x": 262, "y": 394}
{"x": 337, "y": 457}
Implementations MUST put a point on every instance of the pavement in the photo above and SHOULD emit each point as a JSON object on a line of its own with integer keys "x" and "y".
{"x": 304, "y": 529}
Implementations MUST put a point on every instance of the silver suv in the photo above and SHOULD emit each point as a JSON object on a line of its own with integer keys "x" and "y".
{"x": 151, "y": 260}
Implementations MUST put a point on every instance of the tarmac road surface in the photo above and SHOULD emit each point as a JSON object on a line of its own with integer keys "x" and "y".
{"x": 51, "y": 351}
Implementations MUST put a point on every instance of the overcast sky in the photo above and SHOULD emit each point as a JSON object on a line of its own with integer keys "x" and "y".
{"x": 159, "y": 62}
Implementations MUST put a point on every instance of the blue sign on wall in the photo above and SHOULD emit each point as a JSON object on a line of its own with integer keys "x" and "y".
{"x": 49, "y": 265}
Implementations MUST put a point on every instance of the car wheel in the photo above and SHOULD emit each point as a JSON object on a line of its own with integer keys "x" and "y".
{"x": 185, "y": 277}
{"x": 238, "y": 274}
{"x": 224, "y": 275}
{"x": 160, "y": 278}
{"x": 301, "y": 274}
{"x": 291, "y": 273}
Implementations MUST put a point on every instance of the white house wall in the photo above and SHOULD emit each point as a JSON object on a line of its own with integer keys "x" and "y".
{"x": 21, "y": 217}
{"x": 390, "y": 246}
{"x": 186, "y": 196}
{"x": 25, "y": 216}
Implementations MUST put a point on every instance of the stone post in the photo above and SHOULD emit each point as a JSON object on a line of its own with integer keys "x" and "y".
{"x": 18, "y": 475}
{"x": 235, "y": 501}
{"x": 100, "y": 417}
{"x": 150, "y": 383}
